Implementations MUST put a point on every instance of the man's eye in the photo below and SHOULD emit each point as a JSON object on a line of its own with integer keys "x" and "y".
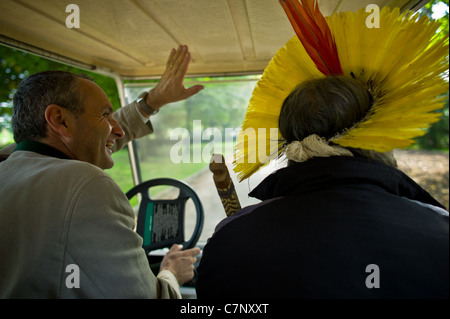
{"x": 106, "y": 114}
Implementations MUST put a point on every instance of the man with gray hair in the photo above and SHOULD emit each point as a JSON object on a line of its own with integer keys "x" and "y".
{"x": 60, "y": 211}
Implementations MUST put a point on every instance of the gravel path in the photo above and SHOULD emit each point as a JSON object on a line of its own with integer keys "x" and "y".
{"x": 429, "y": 169}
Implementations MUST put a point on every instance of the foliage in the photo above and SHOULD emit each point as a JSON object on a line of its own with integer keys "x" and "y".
{"x": 438, "y": 134}
{"x": 16, "y": 65}
{"x": 428, "y": 10}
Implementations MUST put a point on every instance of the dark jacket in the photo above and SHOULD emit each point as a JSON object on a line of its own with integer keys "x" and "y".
{"x": 337, "y": 227}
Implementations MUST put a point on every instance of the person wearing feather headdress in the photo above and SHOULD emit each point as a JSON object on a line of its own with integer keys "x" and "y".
{"x": 340, "y": 221}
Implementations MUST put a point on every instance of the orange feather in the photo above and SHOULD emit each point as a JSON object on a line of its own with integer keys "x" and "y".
{"x": 314, "y": 33}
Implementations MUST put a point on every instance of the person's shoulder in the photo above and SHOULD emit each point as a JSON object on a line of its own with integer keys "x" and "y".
{"x": 84, "y": 177}
{"x": 246, "y": 211}
{"x": 52, "y": 166}
{"x": 6, "y": 151}
{"x": 79, "y": 169}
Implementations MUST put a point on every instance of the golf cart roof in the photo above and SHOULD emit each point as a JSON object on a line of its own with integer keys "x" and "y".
{"x": 132, "y": 38}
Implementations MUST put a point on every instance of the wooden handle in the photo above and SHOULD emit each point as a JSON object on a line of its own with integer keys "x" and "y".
{"x": 224, "y": 184}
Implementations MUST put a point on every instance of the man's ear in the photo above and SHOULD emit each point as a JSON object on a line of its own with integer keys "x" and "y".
{"x": 57, "y": 118}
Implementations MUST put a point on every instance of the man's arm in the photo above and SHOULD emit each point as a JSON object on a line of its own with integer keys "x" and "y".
{"x": 132, "y": 123}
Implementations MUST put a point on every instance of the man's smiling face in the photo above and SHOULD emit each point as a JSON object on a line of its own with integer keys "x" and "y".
{"x": 94, "y": 132}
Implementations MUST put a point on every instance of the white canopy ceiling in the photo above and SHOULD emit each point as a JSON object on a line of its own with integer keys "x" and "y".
{"x": 133, "y": 37}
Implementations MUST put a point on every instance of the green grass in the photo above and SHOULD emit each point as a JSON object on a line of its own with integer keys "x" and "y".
{"x": 160, "y": 167}
{"x": 121, "y": 172}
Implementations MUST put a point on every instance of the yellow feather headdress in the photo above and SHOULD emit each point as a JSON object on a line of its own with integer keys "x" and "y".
{"x": 401, "y": 63}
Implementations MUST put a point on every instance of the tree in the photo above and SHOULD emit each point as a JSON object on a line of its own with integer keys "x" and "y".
{"x": 438, "y": 134}
{"x": 16, "y": 65}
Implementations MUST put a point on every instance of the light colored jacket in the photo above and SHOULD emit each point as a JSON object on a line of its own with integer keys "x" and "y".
{"x": 67, "y": 220}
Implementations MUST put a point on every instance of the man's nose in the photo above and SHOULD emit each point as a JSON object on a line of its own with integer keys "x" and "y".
{"x": 116, "y": 129}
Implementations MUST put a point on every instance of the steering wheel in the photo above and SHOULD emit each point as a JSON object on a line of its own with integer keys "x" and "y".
{"x": 161, "y": 221}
